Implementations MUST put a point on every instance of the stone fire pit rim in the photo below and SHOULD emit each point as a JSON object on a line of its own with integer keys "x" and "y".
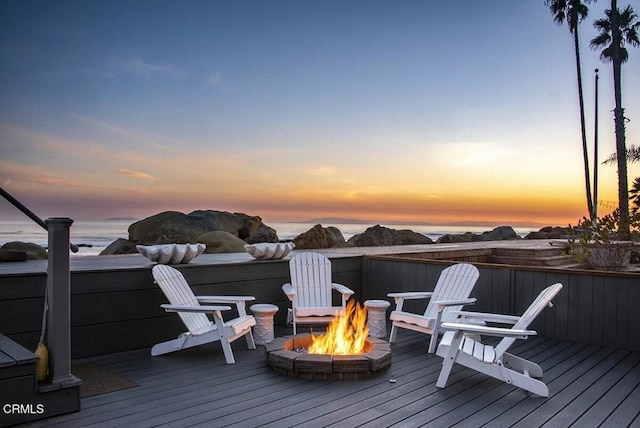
{"x": 324, "y": 366}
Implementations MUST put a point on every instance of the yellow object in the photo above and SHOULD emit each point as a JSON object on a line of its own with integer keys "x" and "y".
{"x": 42, "y": 366}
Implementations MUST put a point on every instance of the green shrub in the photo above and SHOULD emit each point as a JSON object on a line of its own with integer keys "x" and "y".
{"x": 598, "y": 244}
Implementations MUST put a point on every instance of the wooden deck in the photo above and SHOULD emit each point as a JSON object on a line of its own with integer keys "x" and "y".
{"x": 589, "y": 386}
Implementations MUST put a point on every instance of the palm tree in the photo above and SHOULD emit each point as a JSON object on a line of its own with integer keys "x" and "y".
{"x": 617, "y": 29}
{"x": 574, "y": 12}
{"x": 633, "y": 155}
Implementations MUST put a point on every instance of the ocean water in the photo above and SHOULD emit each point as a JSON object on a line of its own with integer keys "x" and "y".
{"x": 95, "y": 236}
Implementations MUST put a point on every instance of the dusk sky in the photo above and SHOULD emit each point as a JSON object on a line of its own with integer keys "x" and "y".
{"x": 420, "y": 111}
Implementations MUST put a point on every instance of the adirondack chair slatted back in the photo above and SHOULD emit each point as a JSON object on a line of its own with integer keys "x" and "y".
{"x": 178, "y": 292}
{"x": 455, "y": 282}
{"x": 311, "y": 279}
{"x": 541, "y": 302}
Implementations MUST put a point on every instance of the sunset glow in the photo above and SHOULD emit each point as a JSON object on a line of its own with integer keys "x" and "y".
{"x": 294, "y": 111}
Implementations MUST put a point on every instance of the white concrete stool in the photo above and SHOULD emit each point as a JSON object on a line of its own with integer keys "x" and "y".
{"x": 377, "y": 317}
{"x": 263, "y": 330}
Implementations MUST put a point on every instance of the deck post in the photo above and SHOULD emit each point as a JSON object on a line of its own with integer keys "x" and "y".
{"x": 59, "y": 301}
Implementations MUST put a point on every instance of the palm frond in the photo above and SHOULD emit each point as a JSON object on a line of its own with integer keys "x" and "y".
{"x": 634, "y": 194}
{"x": 602, "y": 39}
{"x": 628, "y": 26}
{"x": 632, "y": 38}
{"x": 627, "y": 18}
{"x": 624, "y": 54}
{"x": 572, "y": 11}
{"x": 603, "y": 24}
{"x": 607, "y": 54}
{"x": 633, "y": 155}
{"x": 557, "y": 8}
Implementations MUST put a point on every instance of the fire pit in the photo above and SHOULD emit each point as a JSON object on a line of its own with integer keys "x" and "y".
{"x": 288, "y": 355}
{"x": 343, "y": 352}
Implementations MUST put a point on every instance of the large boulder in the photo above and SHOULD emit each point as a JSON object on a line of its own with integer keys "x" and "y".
{"x": 500, "y": 233}
{"x": 219, "y": 241}
{"x": 550, "y": 232}
{"x": 170, "y": 227}
{"x": 31, "y": 250}
{"x": 250, "y": 225}
{"x": 119, "y": 246}
{"x": 139, "y": 230}
{"x": 335, "y": 238}
{"x": 383, "y": 236}
{"x": 409, "y": 237}
{"x": 319, "y": 237}
{"x": 263, "y": 234}
{"x": 12, "y": 256}
{"x": 451, "y": 238}
{"x": 186, "y": 228}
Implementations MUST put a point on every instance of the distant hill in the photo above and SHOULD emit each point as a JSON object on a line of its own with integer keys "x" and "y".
{"x": 492, "y": 224}
{"x": 339, "y": 220}
{"x": 496, "y": 224}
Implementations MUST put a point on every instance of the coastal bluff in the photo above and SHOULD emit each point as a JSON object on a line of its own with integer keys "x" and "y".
{"x": 225, "y": 232}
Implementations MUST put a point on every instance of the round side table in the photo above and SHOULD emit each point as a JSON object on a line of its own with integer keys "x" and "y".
{"x": 263, "y": 330}
{"x": 377, "y": 317}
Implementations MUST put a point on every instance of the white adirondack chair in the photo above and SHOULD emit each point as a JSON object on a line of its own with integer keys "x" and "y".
{"x": 460, "y": 345}
{"x": 193, "y": 309}
{"x": 450, "y": 294}
{"x": 310, "y": 290}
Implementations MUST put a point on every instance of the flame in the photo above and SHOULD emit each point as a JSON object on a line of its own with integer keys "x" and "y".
{"x": 346, "y": 335}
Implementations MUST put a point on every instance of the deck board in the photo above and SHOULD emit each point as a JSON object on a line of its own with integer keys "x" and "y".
{"x": 588, "y": 385}
{"x": 596, "y": 392}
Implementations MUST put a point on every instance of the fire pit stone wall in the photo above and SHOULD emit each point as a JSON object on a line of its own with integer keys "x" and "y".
{"x": 287, "y": 355}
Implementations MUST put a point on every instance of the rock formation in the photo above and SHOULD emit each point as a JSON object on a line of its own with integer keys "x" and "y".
{"x": 120, "y": 246}
{"x": 500, "y": 233}
{"x": 384, "y": 236}
{"x": 319, "y": 237}
{"x": 219, "y": 241}
{"x": 20, "y": 251}
{"x": 175, "y": 227}
{"x": 223, "y": 231}
{"x": 550, "y": 232}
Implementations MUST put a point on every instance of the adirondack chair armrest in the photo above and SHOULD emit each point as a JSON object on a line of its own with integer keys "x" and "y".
{"x": 444, "y": 303}
{"x": 410, "y": 295}
{"x": 289, "y": 291}
{"x": 342, "y": 289}
{"x": 399, "y": 298}
{"x": 202, "y": 309}
{"x": 482, "y": 330}
{"x": 482, "y": 316}
{"x": 239, "y": 301}
{"x": 224, "y": 299}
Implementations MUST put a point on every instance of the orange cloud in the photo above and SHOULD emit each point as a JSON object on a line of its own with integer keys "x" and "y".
{"x": 137, "y": 174}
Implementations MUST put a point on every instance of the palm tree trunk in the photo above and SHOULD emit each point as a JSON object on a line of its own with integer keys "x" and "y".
{"x": 585, "y": 153}
{"x": 618, "y": 117}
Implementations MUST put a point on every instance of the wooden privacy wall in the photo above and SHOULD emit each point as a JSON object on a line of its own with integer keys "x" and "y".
{"x": 115, "y": 310}
{"x": 599, "y": 308}
{"x": 119, "y": 310}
